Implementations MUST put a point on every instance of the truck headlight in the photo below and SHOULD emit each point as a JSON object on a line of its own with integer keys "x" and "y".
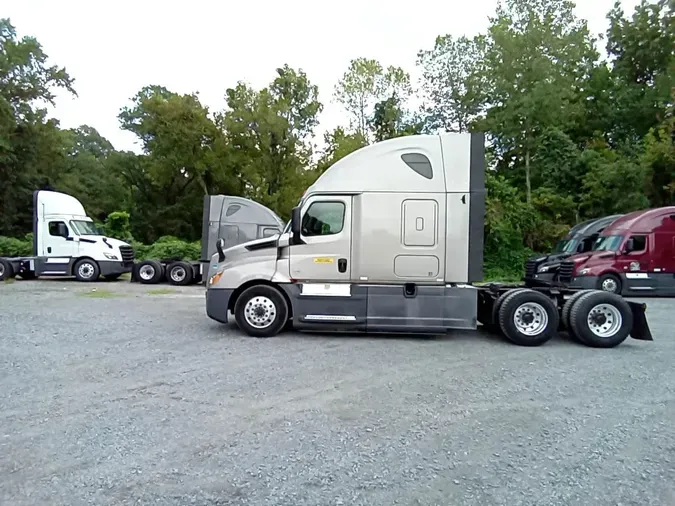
{"x": 110, "y": 256}
{"x": 215, "y": 278}
{"x": 543, "y": 268}
{"x": 583, "y": 272}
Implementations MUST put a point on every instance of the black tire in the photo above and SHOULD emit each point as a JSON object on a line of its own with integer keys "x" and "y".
{"x": 6, "y": 270}
{"x": 540, "y": 307}
{"x": 86, "y": 270}
{"x": 565, "y": 317}
{"x": 150, "y": 272}
{"x": 179, "y": 273}
{"x": 112, "y": 277}
{"x": 610, "y": 306}
{"x": 494, "y": 326}
{"x": 272, "y": 305}
{"x": 610, "y": 280}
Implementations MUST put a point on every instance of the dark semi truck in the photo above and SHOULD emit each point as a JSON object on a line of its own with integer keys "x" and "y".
{"x": 544, "y": 269}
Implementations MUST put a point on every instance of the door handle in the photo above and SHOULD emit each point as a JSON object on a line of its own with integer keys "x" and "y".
{"x": 49, "y": 249}
{"x": 342, "y": 264}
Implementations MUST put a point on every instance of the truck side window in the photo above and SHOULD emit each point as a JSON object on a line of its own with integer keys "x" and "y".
{"x": 419, "y": 163}
{"x": 639, "y": 242}
{"x": 58, "y": 229}
{"x": 323, "y": 218}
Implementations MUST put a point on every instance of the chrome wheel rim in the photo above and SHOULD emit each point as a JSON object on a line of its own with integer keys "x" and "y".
{"x": 178, "y": 274}
{"x": 146, "y": 272}
{"x": 2, "y": 270}
{"x": 531, "y": 319}
{"x": 609, "y": 285}
{"x": 260, "y": 312}
{"x": 86, "y": 270}
{"x": 604, "y": 320}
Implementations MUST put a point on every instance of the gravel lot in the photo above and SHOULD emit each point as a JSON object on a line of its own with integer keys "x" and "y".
{"x": 138, "y": 398}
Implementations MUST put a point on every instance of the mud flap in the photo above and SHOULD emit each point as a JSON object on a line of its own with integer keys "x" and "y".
{"x": 640, "y": 328}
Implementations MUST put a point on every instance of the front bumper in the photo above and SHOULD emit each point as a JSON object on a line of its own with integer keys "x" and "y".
{"x": 111, "y": 267}
{"x": 583, "y": 283}
{"x": 542, "y": 277}
{"x": 217, "y": 302}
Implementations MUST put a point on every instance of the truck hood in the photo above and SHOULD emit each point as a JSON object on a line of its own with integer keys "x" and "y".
{"x": 591, "y": 258}
{"x": 247, "y": 252}
{"x": 107, "y": 241}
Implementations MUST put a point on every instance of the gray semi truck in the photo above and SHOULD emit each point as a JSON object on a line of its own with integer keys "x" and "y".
{"x": 233, "y": 219}
{"x": 390, "y": 239}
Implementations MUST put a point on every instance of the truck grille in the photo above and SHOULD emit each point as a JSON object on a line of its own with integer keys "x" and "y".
{"x": 128, "y": 254}
{"x": 530, "y": 268}
{"x": 565, "y": 272}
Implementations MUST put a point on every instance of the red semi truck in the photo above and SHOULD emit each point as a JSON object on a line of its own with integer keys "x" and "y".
{"x": 635, "y": 255}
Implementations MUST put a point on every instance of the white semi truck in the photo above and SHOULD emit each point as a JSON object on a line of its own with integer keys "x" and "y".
{"x": 67, "y": 243}
{"x": 390, "y": 239}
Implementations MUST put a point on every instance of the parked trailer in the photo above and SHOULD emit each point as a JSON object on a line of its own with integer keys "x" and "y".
{"x": 235, "y": 220}
{"x": 390, "y": 239}
{"x": 67, "y": 243}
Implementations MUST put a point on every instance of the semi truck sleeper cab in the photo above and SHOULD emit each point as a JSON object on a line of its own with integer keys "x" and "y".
{"x": 390, "y": 239}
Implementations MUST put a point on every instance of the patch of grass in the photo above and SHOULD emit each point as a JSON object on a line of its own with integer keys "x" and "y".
{"x": 100, "y": 294}
{"x": 161, "y": 291}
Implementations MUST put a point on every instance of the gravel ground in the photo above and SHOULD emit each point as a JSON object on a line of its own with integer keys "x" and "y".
{"x": 139, "y": 398}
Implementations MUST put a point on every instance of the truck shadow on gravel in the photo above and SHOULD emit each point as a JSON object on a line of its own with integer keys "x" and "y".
{"x": 479, "y": 336}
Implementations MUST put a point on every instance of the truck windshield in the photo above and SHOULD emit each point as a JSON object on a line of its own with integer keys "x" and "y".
{"x": 608, "y": 243}
{"x": 81, "y": 227}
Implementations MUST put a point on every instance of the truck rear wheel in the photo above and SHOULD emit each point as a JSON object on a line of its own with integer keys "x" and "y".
{"x": 179, "y": 273}
{"x": 6, "y": 270}
{"x": 600, "y": 319}
{"x": 568, "y": 306}
{"x": 86, "y": 270}
{"x": 261, "y": 311}
{"x": 150, "y": 272}
{"x": 528, "y": 318}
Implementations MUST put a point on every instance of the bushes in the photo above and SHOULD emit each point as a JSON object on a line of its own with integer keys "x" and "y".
{"x": 12, "y": 247}
{"x": 168, "y": 247}
{"x": 165, "y": 248}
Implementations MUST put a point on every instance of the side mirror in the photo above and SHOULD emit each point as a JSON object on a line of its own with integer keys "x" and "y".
{"x": 220, "y": 246}
{"x": 630, "y": 246}
{"x": 63, "y": 231}
{"x": 580, "y": 247}
{"x": 295, "y": 225}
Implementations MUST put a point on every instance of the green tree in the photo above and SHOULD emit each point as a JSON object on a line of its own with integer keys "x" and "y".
{"x": 268, "y": 132}
{"x": 365, "y": 83}
{"x": 451, "y": 82}
{"x": 538, "y": 56}
{"x": 338, "y": 145}
{"x": 31, "y": 145}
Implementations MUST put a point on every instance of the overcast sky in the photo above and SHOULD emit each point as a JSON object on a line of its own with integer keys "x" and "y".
{"x": 114, "y": 48}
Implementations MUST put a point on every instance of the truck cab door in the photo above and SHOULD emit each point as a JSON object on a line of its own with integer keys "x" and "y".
{"x": 324, "y": 252}
{"x": 59, "y": 241}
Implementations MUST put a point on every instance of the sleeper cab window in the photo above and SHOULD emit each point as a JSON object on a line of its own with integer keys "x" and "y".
{"x": 419, "y": 163}
{"x": 323, "y": 218}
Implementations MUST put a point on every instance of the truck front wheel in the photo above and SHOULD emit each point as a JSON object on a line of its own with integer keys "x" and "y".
{"x": 610, "y": 283}
{"x": 86, "y": 270}
{"x": 261, "y": 311}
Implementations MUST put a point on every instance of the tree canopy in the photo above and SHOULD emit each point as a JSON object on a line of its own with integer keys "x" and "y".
{"x": 578, "y": 126}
